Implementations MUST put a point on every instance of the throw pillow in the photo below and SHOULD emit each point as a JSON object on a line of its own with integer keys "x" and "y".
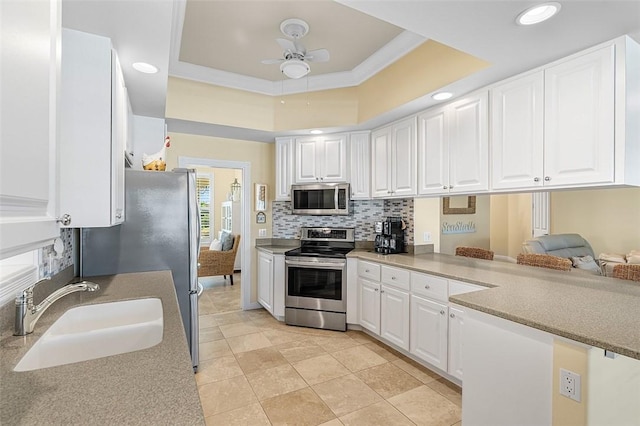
{"x": 633, "y": 257}
{"x": 227, "y": 241}
{"x": 587, "y": 263}
{"x": 216, "y": 245}
{"x": 612, "y": 257}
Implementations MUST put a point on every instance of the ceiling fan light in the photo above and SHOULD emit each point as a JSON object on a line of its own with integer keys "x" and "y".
{"x": 294, "y": 68}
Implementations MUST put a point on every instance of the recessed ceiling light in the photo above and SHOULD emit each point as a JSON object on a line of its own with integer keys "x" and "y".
{"x": 315, "y": 132}
{"x": 145, "y": 67}
{"x": 441, "y": 96}
{"x": 538, "y": 13}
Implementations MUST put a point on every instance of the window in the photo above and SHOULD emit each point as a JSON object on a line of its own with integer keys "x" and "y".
{"x": 204, "y": 183}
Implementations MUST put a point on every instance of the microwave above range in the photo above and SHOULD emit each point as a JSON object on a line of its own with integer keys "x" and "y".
{"x": 320, "y": 199}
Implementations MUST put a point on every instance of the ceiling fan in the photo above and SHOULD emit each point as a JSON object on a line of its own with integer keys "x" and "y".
{"x": 295, "y": 57}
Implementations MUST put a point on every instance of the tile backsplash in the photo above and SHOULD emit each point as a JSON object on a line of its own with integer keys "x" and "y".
{"x": 49, "y": 264}
{"x": 365, "y": 213}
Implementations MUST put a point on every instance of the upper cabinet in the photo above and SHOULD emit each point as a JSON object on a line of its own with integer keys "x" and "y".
{"x": 284, "y": 168}
{"x": 30, "y": 54}
{"x": 321, "y": 159}
{"x": 93, "y": 131}
{"x": 569, "y": 124}
{"x": 453, "y": 147}
{"x": 360, "y": 165}
{"x": 393, "y": 160}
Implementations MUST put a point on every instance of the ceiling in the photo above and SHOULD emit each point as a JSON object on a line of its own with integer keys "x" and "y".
{"x": 223, "y": 41}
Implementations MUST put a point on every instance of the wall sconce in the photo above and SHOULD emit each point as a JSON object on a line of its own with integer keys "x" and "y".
{"x": 235, "y": 190}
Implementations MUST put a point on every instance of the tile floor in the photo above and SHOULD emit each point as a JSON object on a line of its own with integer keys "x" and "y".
{"x": 255, "y": 370}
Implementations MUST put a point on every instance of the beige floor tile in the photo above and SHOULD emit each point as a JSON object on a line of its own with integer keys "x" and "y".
{"x": 210, "y": 334}
{"x": 250, "y": 415}
{"x": 230, "y": 318}
{"x": 258, "y": 313}
{"x": 302, "y": 407}
{"x": 214, "y": 349}
{"x": 277, "y": 336}
{"x": 334, "y": 422}
{"x": 205, "y": 306}
{"x": 206, "y": 321}
{"x": 238, "y": 329}
{"x": 447, "y": 389}
{"x": 383, "y": 351}
{"x": 320, "y": 369}
{"x": 359, "y": 336}
{"x": 358, "y": 358}
{"x": 248, "y": 342}
{"x": 388, "y": 380}
{"x": 226, "y": 395}
{"x": 335, "y": 343}
{"x": 299, "y": 350}
{"x": 420, "y": 373}
{"x": 275, "y": 381}
{"x": 380, "y": 413}
{"x": 260, "y": 359}
{"x": 216, "y": 369}
{"x": 346, "y": 394}
{"x": 425, "y": 406}
{"x": 269, "y": 324}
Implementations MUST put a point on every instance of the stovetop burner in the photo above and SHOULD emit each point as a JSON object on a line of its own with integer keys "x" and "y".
{"x": 324, "y": 242}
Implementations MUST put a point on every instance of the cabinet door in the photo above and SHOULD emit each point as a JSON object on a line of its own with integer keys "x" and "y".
{"x": 394, "y": 316}
{"x": 360, "y": 166}
{"x": 333, "y": 158}
{"x": 516, "y": 133}
{"x": 284, "y": 168}
{"x": 429, "y": 331}
{"x": 306, "y": 160}
{"x": 278, "y": 285}
{"x": 369, "y": 304}
{"x": 265, "y": 281}
{"x": 119, "y": 134}
{"x": 380, "y": 163}
{"x": 579, "y": 120}
{"x": 29, "y": 40}
{"x": 404, "y": 158}
{"x": 469, "y": 144}
{"x": 433, "y": 152}
{"x": 456, "y": 322}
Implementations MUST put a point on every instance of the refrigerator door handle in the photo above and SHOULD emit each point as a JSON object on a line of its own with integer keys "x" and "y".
{"x": 200, "y": 289}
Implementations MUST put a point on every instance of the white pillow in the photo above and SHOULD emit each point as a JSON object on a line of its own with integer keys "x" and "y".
{"x": 586, "y": 263}
{"x": 216, "y": 245}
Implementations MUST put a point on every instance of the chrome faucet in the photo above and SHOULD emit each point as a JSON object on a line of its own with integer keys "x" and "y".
{"x": 27, "y": 314}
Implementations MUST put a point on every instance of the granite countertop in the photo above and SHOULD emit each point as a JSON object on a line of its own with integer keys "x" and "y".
{"x": 275, "y": 249}
{"x": 276, "y": 245}
{"x": 598, "y": 311}
{"x": 151, "y": 386}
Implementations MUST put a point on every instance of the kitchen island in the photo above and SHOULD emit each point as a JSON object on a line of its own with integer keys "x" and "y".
{"x": 150, "y": 386}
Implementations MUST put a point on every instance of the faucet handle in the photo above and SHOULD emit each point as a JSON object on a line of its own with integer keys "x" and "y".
{"x": 26, "y": 296}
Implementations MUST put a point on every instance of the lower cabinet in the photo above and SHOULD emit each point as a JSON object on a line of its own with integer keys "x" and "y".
{"x": 369, "y": 293}
{"x": 429, "y": 326}
{"x": 271, "y": 290}
{"x": 394, "y": 316}
{"x": 456, "y": 323}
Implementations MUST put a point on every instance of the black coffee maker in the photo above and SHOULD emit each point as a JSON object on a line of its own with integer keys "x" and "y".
{"x": 390, "y": 236}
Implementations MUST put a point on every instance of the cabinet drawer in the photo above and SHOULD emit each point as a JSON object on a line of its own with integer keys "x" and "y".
{"x": 458, "y": 287}
{"x": 369, "y": 270}
{"x": 400, "y": 278}
{"x": 429, "y": 286}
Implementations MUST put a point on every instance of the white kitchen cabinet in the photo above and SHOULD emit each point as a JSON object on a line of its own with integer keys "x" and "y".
{"x": 30, "y": 54}
{"x": 284, "y": 168}
{"x": 92, "y": 131}
{"x": 394, "y": 316}
{"x": 321, "y": 159}
{"x": 429, "y": 328}
{"x": 453, "y": 147}
{"x": 393, "y": 160}
{"x": 360, "y": 165}
{"x": 265, "y": 280}
{"x": 456, "y": 325}
{"x": 369, "y": 305}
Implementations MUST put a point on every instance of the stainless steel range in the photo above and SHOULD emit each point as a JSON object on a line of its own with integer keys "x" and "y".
{"x": 316, "y": 278}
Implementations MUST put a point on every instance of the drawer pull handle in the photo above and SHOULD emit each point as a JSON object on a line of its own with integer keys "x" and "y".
{"x": 427, "y": 287}
{"x": 452, "y": 315}
{"x": 393, "y": 278}
{"x": 441, "y": 312}
{"x": 366, "y": 270}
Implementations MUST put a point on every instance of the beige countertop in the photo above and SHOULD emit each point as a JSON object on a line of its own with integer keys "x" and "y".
{"x": 273, "y": 249}
{"x": 152, "y": 386}
{"x": 598, "y": 311}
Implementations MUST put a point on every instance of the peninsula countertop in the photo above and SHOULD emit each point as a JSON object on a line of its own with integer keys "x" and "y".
{"x": 150, "y": 386}
{"x": 598, "y": 311}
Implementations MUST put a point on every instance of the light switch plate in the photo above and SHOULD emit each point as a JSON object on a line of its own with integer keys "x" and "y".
{"x": 262, "y": 232}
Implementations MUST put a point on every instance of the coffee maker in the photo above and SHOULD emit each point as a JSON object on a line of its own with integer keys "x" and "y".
{"x": 389, "y": 236}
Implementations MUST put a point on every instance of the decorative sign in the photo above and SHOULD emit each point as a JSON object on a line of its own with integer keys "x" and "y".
{"x": 261, "y": 197}
{"x": 459, "y": 227}
{"x": 261, "y": 217}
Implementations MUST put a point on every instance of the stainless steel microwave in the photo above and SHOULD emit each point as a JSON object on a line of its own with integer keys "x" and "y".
{"x": 320, "y": 199}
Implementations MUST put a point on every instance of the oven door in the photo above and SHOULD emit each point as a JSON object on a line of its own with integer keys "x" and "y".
{"x": 316, "y": 283}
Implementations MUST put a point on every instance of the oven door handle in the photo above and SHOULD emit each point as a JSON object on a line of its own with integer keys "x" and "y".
{"x": 332, "y": 265}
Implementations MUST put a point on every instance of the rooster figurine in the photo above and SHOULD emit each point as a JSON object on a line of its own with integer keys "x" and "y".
{"x": 157, "y": 161}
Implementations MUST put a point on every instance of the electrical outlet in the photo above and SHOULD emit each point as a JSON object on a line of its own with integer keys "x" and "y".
{"x": 427, "y": 237}
{"x": 570, "y": 384}
{"x": 262, "y": 232}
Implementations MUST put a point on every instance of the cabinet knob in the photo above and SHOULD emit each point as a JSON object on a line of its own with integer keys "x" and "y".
{"x": 393, "y": 278}
{"x": 536, "y": 179}
{"x": 452, "y": 315}
{"x": 444, "y": 187}
{"x": 441, "y": 312}
{"x": 451, "y": 187}
{"x": 547, "y": 178}
{"x": 118, "y": 215}
{"x": 366, "y": 270}
{"x": 65, "y": 219}
{"x": 381, "y": 291}
{"x": 375, "y": 289}
{"x": 427, "y": 286}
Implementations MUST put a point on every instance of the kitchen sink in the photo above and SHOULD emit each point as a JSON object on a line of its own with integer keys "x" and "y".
{"x": 97, "y": 331}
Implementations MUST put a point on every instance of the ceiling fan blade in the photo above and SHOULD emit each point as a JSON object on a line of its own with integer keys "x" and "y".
{"x": 318, "y": 55}
{"x": 299, "y": 46}
{"x": 272, "y": 61}
{"x": 286, "y": 44}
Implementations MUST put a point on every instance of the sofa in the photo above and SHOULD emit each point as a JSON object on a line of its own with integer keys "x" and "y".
{"x": 561, "y": 245}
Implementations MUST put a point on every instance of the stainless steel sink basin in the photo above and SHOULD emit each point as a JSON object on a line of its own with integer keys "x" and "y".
{"x": 97, "y": 331}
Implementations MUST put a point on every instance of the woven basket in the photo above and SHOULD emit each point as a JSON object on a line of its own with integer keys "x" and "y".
{"x": 544, "y": 261}
{"x": 627, "y": 272}
{"x": 475, "y": 252}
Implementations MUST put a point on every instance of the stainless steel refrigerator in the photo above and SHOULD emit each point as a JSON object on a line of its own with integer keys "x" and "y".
{"x": 161, "y": 231}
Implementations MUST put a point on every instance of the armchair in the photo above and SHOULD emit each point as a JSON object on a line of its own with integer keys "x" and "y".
{"x": 214, "y": 262}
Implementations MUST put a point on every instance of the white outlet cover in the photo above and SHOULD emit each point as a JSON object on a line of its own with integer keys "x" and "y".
{"x": 570, "y": 385}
